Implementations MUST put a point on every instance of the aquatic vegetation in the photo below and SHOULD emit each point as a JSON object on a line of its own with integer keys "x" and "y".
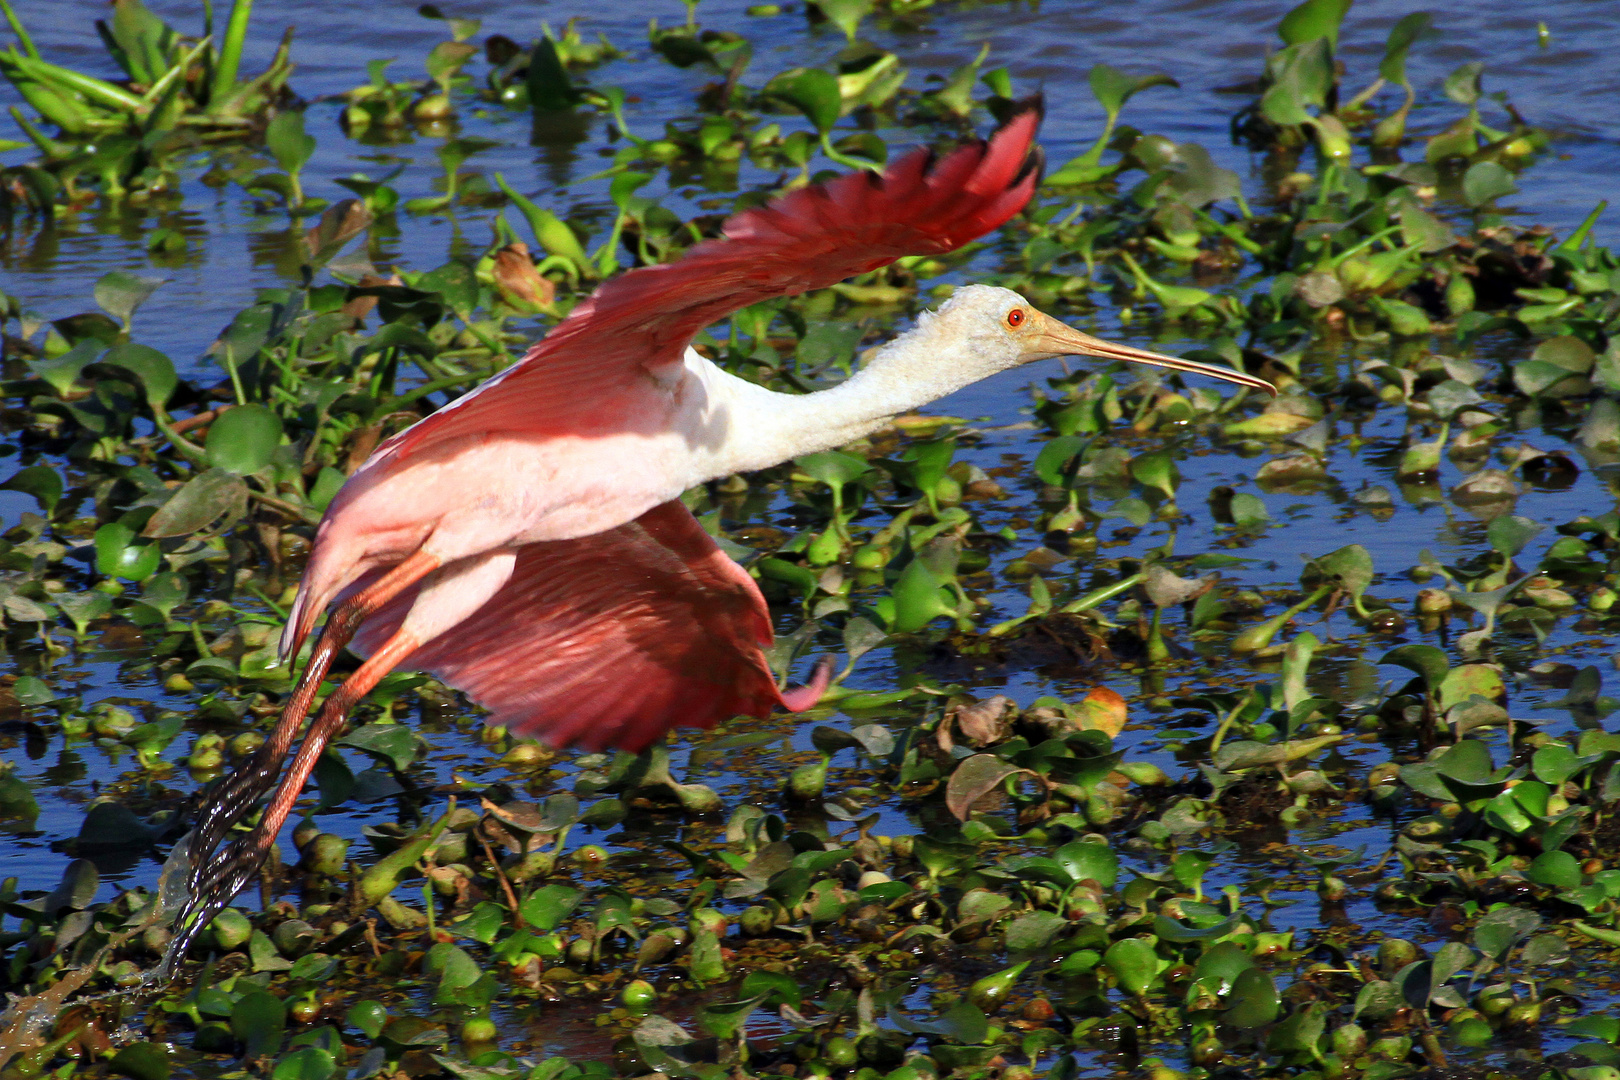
{"x": 1353, "y": 816}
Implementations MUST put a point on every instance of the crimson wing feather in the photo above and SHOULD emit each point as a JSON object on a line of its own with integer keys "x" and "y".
{"x": 807, "y": 239}
{"x": 609, "y": 640}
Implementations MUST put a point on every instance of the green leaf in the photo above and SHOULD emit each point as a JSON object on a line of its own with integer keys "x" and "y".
{"x": 1556, "y": 868}
{"x": 550, "y": 89}
{"x": 1411, "y": 29}
{"x": 834, "y": 467}
{"x": 198, "y": 502}
{"x": 41, "y": 481}
{"x": 1135, "y": 965}
{"x": 845, "y": 14}
{"x": 549, "y": 905}
{"x": 119, "y": 556}
{"x": 152, "y": 368}
{"x": 394, "y": 743}
{"x": 308, "y": 1063}
{"x": 813, "y": 92}
{"x": 1113, "y": 88}
{"x": 1312, "y": 20}
{"x": 1083, "y": 860}
{"x": 119, "y": 293}
{"x": 1462, "y": 85}
{"x": 1157, "y": 469}
{"x": 446, "y": 59}
{"x": 288, "y": 143}
{"x": 1254, "y": 1001}
{"x": 1486, "y": 181}
{"x": 244, "y": 439}
{"x": 455, "y": 282}
{"x": 258, "y": 1020}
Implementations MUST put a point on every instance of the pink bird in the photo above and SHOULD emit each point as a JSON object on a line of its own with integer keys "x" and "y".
{"x": 527, "y": 544}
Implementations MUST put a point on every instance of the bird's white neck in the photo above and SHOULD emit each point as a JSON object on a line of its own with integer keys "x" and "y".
{"x": 748, "y": 427}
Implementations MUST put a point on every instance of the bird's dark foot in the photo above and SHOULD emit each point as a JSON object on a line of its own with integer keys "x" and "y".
{"x": 214, "y": 883}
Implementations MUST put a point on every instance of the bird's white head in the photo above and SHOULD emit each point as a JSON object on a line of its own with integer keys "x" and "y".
{"x": 993, "y": 329}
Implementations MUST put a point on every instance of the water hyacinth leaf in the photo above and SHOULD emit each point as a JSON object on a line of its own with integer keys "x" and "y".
{"x": 41, "y": 481}
{"x": 1498, "y": 931}
{"x": 289, "y": 144}
{"x": 118, "y": 555}
{"x": 1313, "y": 19}
{"x": 1134, "y": 964}
{"x": 772, "y": 988}
{"x": 919, "y": 598}
{"x": 1486, "y": 181}
{"x": 861, "y": 636}
{"x": 975, "y": 778}
{"x": 1253, "y": 1000}
{"x": 1556, "y": 868}
{"x": 258, "y": 1020}
{"x": 550, "y": 89}
{"x": 62, "y": 372}
{"x": 198, "y": 502}
{"x": 845, "y": 14}
{"x": 244, "y": 439}
{"x": 456, "y": 283}
{"x": 1408, "y": 31}
{"x": 1510, "y": 533}
{"x": 1033, "y": 931}
{"x": 144, "y": 1061}
{"x": 1113, "y": 87}
{"x": 549, "y": 905}
{"x": 1428, "y": 662}
{"x": 120, "y": 292}
{"x": 833, "y": 467}
{"x": 306, "y": 1063}
{"x": 396, "y": 744}
{"x": 813, "y": 92}
{"x": 154, "y": 370}
{"x": 1157, "y": 470}
{"x": 1092, "y": 861}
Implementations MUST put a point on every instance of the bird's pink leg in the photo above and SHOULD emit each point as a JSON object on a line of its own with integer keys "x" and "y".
{"x": 244, "y": 787}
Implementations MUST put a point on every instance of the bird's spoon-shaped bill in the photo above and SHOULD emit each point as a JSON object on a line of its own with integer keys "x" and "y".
{"x": 1047, "y": 337}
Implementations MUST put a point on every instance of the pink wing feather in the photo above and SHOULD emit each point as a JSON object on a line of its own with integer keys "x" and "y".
{"x": 807, "y": 239}
{"x": 610, "y": 640}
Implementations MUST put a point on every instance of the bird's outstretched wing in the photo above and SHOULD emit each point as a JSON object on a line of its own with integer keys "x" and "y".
{"x": 610, "y": 640}
{"x": 807, "y": 239}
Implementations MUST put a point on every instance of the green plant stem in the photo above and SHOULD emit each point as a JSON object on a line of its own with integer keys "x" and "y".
{"x": 98, "y": 90}
{"x": 230, "y": 51}
{"x": 17, "y": 28}
{"x": 299, "y": 513}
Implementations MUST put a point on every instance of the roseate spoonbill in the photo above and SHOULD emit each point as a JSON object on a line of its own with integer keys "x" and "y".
{"x": 526, "y": 543}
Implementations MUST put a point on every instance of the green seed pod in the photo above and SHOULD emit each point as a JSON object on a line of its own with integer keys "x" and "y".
{"x": 231, "y": 929}
{"x": 245, "y": 744}
{"x": 479, "y": 1029}
{"x": 757, "y": 921}
{"x": 1392, "y": 1047}
{"x": 295, "y": 937}
{"x": 1349, "y": 1040}
{"x": 324, "y": 855}
{"x": 579, "y": 952}
{"x": 433, "y": 107}
{"x": 806, "y": 783}
{"x": 707, "y": 918}
{"x": 305, "y": 831}
{"x": 991, "y": 992}
{"x": 1394, "y": 954}
{"x": 1524, "y": 1013}
{"x": 654, "y": 949}
{"x": 869, "y": 557}
{"x": 1602, "y": 599}
{"x": 1495, "y": 1001}
{"x": 207, "y": 753}
{"x": 639, "y": 995}
{"x": 525, "y": 756}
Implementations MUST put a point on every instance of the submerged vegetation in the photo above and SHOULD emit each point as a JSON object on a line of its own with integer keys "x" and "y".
{"x": 939, "y": 884}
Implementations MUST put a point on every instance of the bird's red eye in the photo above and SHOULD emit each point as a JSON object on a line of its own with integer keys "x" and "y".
{"x": 1015, "y": 317}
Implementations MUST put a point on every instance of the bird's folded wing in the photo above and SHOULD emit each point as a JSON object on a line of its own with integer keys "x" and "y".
{"x": 609, "y": 640}
{"x": 807, "y": 239}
